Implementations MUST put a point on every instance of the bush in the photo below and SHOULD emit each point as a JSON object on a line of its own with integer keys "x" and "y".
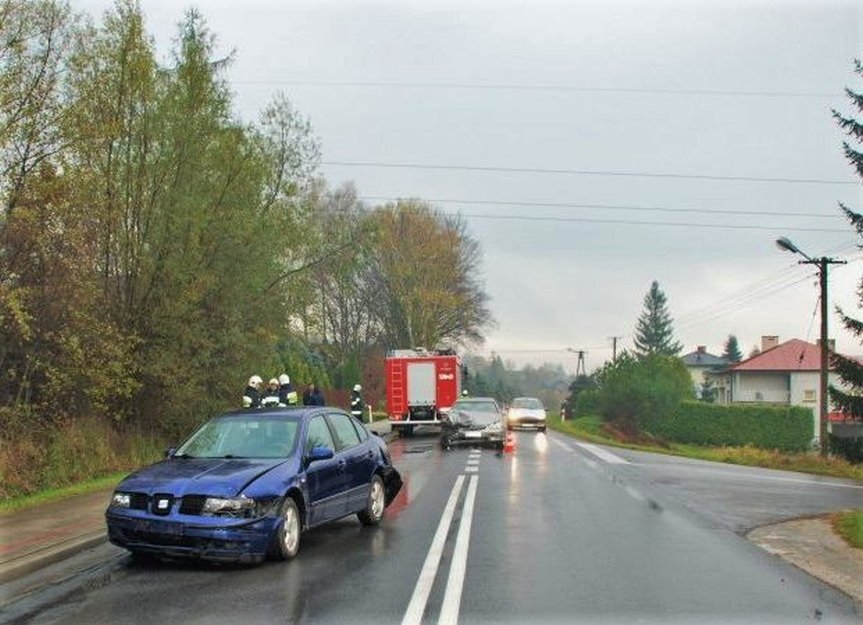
{"x": 849, "y": 448}
{"x": 634, "y": 390}
{"x": 74, "y": 451}
{"x": 587, "y": 403}
{"x": 786, "y": 428}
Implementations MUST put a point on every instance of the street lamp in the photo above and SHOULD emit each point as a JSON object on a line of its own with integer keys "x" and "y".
{"x": 785, "y": 244}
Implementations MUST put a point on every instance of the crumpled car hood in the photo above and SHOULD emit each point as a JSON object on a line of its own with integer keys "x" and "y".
{"x": 201, "y": 476}
{"x": 470, "y": 420}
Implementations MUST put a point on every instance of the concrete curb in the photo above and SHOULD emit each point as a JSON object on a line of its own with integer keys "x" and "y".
{"x": 811, "y": 545}
{"x": 47, "y": 555}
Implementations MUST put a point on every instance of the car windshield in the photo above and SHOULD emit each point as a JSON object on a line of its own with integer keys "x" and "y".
{"x": 477, "y": 411}
{"x": 243, "y": 436}
{"x": 477, "y": 406}
{"x": 531, "y": 403}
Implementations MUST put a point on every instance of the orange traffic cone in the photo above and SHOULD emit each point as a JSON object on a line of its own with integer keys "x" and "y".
{"x": 509, "y": 443}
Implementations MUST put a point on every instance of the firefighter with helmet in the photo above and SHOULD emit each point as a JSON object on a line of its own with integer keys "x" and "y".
{"x": 252, "y": 394}
{"x": 358, "y": 406}
{"x": 287, "y": 394}
{"x": 271, "y": 395}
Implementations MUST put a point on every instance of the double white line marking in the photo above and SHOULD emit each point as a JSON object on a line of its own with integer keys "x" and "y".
{"x": 458, "y": 566}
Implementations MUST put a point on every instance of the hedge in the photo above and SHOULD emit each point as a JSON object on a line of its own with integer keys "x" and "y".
{"x": 786, "y": 428}
{"x": 849, "y": 448}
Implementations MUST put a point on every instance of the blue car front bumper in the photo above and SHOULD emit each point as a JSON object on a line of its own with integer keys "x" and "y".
{"x": 232, "y": 541}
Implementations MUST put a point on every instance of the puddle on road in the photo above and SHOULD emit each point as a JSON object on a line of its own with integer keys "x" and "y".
{"x": 417, "y": 449}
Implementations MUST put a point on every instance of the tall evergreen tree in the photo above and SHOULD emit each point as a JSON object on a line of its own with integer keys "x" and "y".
{"x": 653, "y": 333}
{"x": 732, "y": 351}
{"x": 850, "y": 401}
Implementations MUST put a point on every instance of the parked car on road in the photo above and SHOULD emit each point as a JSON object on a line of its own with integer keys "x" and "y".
{"x": 473, "y": 421}
{"x": 249, "y": 482}
{"x": 527, "y": 412}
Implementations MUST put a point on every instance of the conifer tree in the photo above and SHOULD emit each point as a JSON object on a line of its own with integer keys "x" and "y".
{"x": 850, "y": 401}
{"x": 732, "y": 351}
{"x": 653, "y": 333}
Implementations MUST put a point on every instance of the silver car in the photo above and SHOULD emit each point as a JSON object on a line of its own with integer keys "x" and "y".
{"x": 473, "y": 421}
{"x": 526, "y": 412}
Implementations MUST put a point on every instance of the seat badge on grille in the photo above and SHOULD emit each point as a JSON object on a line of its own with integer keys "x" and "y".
{"x": 162, "y": 503}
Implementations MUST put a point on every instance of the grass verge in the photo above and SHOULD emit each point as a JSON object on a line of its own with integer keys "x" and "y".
{"x": 590, "y": 429}
{"x": 849, "y": 525}
{"x": 15, "y": 504}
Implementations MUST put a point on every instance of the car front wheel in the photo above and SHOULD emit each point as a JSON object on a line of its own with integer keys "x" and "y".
{"x": 286, "y": 541}
{"x": 374, "y": 510}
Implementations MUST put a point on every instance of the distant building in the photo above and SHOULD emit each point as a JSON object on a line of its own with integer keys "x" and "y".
{"x": 705, "y": 367}
{"x": 786, "y": 374}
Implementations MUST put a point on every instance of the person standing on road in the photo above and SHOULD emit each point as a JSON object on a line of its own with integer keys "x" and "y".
{"x": 358, "y": 406}
{"x": 252, "y": 394}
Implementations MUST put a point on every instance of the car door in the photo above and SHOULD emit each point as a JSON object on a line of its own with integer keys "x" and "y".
{"x": 325, "y": 479}
{"x": 358, "y": 460}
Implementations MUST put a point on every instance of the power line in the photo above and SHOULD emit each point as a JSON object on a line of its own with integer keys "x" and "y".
{"x": 613, "y": 207}
{"x": 583, "y": 172}
{"x": 626, "y": 222}
{"x": 526, "y": 87}
{"x": 746, "y": 296}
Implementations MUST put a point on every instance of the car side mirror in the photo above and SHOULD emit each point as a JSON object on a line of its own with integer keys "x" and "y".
{"x": 321, "y": 453}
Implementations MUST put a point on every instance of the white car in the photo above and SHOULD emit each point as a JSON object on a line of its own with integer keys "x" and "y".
{"x": 527, "y": 412}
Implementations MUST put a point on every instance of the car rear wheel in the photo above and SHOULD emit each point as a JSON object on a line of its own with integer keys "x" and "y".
{"x": 286, "y": 541}
{"x": 374, "y": 510}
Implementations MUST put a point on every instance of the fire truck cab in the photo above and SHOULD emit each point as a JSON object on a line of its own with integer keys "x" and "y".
{"x": 422, "y": 386}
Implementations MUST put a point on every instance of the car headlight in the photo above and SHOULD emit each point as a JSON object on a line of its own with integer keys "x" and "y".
{"x": 228, "y": 506}
{"x": 121, "y": 500}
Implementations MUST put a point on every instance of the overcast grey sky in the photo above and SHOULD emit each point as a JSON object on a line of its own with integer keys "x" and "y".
{"x": 699, "y": 101}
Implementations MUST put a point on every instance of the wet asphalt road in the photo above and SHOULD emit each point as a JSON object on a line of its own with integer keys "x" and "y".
{"x": 554, "y": 533}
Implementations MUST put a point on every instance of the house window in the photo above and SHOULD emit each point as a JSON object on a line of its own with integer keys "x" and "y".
{"x": 809, "y": 395}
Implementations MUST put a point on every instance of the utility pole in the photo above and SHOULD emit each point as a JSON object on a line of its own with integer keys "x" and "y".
{"x": 822, "y": 264}
{"x": 614, "y": 347}
{"x": 579, "y": 366}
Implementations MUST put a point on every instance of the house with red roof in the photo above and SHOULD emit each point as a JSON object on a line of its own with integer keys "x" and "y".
{"x": 782, "y": 373}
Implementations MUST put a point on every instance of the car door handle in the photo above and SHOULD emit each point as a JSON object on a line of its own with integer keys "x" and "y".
{"x": 342, "y": 465}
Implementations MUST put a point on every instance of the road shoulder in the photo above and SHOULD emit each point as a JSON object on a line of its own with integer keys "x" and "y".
{"x": 812, "y": 545}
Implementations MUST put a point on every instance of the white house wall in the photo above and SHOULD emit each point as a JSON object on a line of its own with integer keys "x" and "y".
{"x": 757, "y": 386}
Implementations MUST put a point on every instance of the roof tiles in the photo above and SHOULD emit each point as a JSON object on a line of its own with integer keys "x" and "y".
{"x": 793, "y": 355}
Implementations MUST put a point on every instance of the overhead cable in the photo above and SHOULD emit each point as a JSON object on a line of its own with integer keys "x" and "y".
{"x": 584, "y": 172}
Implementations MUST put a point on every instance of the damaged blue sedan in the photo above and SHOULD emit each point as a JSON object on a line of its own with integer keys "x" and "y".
{"x": 247, "y": 484}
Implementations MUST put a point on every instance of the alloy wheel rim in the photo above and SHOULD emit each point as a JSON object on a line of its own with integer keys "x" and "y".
{"x": 377, "y": 499}
{"x": 291, "y": 529}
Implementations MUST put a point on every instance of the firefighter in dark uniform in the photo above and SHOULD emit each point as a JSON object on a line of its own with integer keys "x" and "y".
{"x": 252, "y": 394}
{"x": 358, "y": 406}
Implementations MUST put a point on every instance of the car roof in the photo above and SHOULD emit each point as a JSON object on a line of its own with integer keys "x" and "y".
{"x": 467, "y": 399}
{"x": 282, "y": 411}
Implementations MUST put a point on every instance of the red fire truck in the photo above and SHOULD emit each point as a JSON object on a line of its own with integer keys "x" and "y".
{"x": 422, "y": 385}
